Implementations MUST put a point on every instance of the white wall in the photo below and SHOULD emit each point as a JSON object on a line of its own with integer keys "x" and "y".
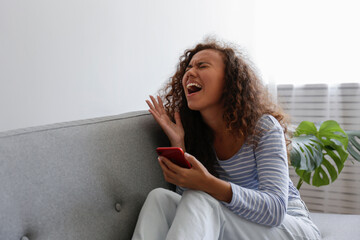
{"x": 63, "y": 60}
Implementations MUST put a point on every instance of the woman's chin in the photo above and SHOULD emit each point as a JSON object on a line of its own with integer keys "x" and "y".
{"x": 194, "y": 107}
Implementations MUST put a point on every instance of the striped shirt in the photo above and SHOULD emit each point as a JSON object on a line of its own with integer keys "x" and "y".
{"x": 259, "y": 177}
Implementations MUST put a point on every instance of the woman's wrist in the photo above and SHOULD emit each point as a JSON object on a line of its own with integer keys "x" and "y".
{"x": 219, "y": 189}
{"x": 178, "y": 144}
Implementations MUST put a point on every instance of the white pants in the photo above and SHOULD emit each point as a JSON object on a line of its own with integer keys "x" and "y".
{"x": 197, "y": 215}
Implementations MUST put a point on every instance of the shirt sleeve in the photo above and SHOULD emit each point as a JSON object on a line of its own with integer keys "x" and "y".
{"x": 180, "y": 190}
{"x": 267, "y": 204}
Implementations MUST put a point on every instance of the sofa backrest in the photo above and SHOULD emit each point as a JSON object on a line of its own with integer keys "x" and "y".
{"x": 84, "y": 179}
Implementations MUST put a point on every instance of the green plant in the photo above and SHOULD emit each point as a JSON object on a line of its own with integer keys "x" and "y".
{"x": 319, "y": 152}
{"x": 354, "y": 146}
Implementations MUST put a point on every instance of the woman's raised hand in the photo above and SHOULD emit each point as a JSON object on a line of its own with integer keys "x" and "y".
{"x": 174, "y": 131}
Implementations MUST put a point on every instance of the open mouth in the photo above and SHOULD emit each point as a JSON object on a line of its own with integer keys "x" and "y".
{"x": 193, "y": 88}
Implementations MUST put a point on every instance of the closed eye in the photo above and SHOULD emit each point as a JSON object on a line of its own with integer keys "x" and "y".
{"x": 202, "y": 65}
{"x": 199, "y": 65}
{"x": 188, "y": 68}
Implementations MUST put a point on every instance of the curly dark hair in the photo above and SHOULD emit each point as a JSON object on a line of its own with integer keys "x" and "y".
{"x": 245, "y": 100}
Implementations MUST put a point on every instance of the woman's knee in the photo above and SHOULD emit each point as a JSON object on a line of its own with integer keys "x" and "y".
{"x": 157, "y": 191}
{"x": 197, "y": 194}
{"x": 161, "y": 194}
{"x": 200, "y": 196}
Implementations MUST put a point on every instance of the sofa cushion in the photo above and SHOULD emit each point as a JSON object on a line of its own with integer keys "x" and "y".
{"x": 78, "y": 180}
{"x": 337, "y": 226}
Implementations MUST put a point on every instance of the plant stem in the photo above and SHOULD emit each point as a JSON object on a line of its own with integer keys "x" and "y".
{"x": 299, "y": 184}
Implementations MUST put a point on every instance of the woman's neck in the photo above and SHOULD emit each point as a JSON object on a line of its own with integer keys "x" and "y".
{"x": 225, "y": 143}
{"x": 227, "y": 146}
{"x": 214, "y": 120}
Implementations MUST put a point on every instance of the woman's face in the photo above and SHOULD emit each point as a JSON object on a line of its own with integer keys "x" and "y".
{"x": 204, "y": 81}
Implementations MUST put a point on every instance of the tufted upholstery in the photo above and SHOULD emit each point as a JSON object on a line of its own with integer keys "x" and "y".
{"x": 88, "y": 180}
{"x": 78, "y": 180}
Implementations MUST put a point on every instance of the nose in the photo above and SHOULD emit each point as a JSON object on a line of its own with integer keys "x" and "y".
{"x": 190, "y": 73}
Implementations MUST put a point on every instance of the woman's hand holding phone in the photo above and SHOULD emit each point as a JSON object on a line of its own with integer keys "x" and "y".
{"x": 174, "y": 154}
{"x": 174, "y": 131}
{"x": 197, "y": 177}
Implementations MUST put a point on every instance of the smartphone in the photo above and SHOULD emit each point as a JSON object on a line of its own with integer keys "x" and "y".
{"x": 174, "y": 154}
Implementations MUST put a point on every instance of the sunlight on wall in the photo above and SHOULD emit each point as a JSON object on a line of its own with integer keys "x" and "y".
{"x": 307, "y": 41}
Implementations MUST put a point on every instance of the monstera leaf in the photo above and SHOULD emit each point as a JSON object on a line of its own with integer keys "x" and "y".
{"x": 318, "y": 153}
{"x": 306, "y": 153}
{"x": 354, "y": 146}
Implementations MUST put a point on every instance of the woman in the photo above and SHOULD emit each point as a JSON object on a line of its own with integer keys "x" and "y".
{"x": 217, "y": 110}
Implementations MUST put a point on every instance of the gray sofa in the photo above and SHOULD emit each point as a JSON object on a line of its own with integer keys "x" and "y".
{"x": 88, "y": 179}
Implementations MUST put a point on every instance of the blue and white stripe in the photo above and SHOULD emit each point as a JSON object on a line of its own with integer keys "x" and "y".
{"x": 259, "y": 177}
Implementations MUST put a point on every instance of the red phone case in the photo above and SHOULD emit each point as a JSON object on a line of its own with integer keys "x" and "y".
{"x": 175, "y": 154}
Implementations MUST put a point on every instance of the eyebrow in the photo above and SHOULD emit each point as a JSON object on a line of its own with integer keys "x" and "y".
{"x": 198, "y": 63}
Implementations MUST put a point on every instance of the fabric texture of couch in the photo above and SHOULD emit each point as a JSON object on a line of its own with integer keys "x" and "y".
{"x": 88, "y": 179}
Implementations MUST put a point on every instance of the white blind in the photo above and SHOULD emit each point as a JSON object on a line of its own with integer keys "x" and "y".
{"x": 316, "y": 103}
